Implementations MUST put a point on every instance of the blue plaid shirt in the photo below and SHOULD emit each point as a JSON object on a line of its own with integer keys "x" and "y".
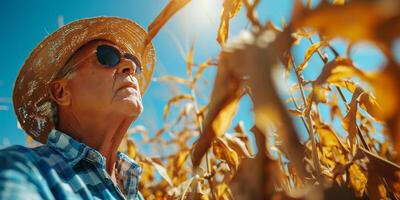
{"x": 65, "y": 169}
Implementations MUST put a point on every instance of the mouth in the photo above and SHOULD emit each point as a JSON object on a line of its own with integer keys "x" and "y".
{"x": 128, "y": 86}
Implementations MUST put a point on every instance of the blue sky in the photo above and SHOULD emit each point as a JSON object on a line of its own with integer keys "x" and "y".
{"x": 26, "y": 22}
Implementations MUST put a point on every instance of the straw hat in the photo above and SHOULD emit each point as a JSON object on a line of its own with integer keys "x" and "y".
{"x": 31, "y": 100}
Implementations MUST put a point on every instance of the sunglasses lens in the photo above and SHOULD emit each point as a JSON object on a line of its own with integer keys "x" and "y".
{"x": 108, "y": 55}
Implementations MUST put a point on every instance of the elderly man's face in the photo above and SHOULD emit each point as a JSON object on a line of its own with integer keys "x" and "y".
{"x": 95, "y": 88}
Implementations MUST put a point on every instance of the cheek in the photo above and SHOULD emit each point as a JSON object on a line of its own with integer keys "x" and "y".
{"x": 93, "y": 87}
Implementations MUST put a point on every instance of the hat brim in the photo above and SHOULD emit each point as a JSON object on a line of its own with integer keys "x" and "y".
{"x": 30, "y": 97}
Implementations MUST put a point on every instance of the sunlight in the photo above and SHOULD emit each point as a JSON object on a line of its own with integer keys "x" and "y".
{"x": 204, "y": 13}
{"x": 201, "y": 16}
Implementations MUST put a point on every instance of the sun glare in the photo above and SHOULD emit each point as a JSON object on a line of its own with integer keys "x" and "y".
{"x": 202, "y": 15}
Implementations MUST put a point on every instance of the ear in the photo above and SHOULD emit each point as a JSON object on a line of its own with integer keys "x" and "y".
{"x": 60, "y": 93}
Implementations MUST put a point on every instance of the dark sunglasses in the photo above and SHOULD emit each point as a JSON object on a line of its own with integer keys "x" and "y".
{"x": 110, "y": 57}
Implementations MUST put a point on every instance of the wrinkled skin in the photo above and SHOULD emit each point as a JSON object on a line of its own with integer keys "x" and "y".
{"x": 97, "y": 104}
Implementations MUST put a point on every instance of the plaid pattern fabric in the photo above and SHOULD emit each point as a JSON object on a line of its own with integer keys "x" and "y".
{"x": 65, "y": 169}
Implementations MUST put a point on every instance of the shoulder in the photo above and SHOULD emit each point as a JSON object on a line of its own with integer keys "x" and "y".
{"x": 17, "y": 157}
{"x": 17, "y": 164}
{"x": 15, "y": 152}
{"x": 20, "y": 174}
{"x": 20, "y": 164}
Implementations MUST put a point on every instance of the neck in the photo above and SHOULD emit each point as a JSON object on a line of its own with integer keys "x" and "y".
{"x": 101, "y": 133}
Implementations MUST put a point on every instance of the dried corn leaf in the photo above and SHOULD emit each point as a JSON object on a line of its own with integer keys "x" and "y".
{"x": 337, "y": 70}
{"x": 175, "y": 100}
{"x": 347, "y": 84}
{"x": 296, "y": 112}
{"x": 357, "y": 20}
{"x": 140, "y": 129}
{"x": 310, "y": 51}
{"x": 172, "y": 7}
{"x": 251, "y": 14}
{"x": 171, "y": 78}
{"x": 222, "y": 189}
{"x": 160, "y": 169}
{"x": 222, "y": 121}
{"x": 222, "y": 151}
{"x": 301, "y": 34}
{"x": 224, "y": 101}
{"x": 237, "y": 145}
{"x": 327, "y": 136}
{"x": 350, "y": 120}
{"x": 320, "y": 94}
{"x": 376, "y": 187}
{"x": 335, "y": 110}
{"x": 381, "y": 167}
{"x": 387, "y": 90}
{"x": 338, "y": 2}
{"x": 189, "y": 62}
{"x": 229, "y": 10}
{"x": 180, "y": 159}
{"x": 358, "y": 180}
{"x": 201, "y": 69}
{"x": 368, "y": 103}
{"x": 131, "y": 149}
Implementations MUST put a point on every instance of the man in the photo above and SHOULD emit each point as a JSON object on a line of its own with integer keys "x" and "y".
{"x": 77, "y": 93}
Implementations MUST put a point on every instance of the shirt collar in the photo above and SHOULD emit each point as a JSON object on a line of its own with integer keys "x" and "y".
{"x": 127, "y": 170}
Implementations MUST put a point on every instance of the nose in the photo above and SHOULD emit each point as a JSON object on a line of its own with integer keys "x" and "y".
{"x": 126, "y": 67}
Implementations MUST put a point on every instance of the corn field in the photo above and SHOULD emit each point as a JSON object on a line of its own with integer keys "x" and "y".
{"x": 210, "y": 163}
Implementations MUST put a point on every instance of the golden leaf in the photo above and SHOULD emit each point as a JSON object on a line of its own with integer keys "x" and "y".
{"x": 387, "y": 91}
{"x": 358, "y": 180}
{"x": 131, "y": 149}
{"x": 174, "y": 100}
{"x": 223, "y": 29}
{"x": 376, "y": 187}
{"x": 335, "y": 110}
{"x": 239, "y": 128}
{"x": 347, "y": 84}
{"x": 326, "y": 157}
{"x": 229, "y": 10}
{"x": 320, "y": 94}
{"x": 202, "y": 67}
{"x": 310, "y": 51}
{"x": 350, "y": 120}
{"x": 223, "y": 151}
{"x": 222, "y": 121}
{"x": 338, "y": 69}
{"x": 224, "y": 101}
{"x": 338, "y": 2}
{"x": 180, "y": 159}
{"x": 368, "y": 103}
{"x": 172, "y": 7}
{"x": 233, "y": 6}
{"x": 296, "y": 112}
{"x": 356, "y": 20}
{"x": 301, "y": 34}
{"x": 161, "y": 170}
{"x": 237, "y": 145}
{"x": 221, "y": 190}
{"x": 381, "y": 167}
{"x": 140, "y": 129}
{"x": 251, "y": 14}
{"x": 293, "y": 173}
{"x": 189, "y": 62}
{"x": 171, "y": 78}
{"x": 327, "y": 136}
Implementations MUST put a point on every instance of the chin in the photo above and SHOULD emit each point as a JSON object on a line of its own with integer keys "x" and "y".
{"x": 131, "y": 107}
